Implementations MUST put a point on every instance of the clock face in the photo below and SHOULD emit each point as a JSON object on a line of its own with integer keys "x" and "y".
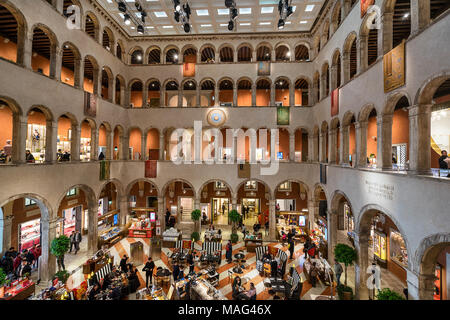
{"x": 216, "y": 117}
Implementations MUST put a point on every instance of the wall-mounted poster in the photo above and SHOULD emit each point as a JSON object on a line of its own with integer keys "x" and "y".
{"x": 264, "y": 68}
{"x": 394, "y": 68}
{"x": 188, "y": 69}
{"x": 335, "y": 102}
{"x": 104, "y": 170}
{"x": 283, "y": 116}
{"x": 90, "y": 104}
{"x": 365, "y": 4}
{"x": 151, "y": 168}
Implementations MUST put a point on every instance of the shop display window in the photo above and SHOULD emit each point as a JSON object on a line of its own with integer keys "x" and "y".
{"x": 397, "y": 248}
{"x": 29, "y": 233}
{"x": 85, "y": 149}
{"x": 379, "y": 245}
{"x": 36, "y": 141}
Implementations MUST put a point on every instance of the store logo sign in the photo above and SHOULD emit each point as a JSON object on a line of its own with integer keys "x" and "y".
{"x": 73, "y": 21}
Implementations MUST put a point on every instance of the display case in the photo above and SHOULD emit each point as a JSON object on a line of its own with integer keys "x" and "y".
{"x": 29, "y": 234}
{"x": 397, "y": 249}
{"x": 379, "y": 248}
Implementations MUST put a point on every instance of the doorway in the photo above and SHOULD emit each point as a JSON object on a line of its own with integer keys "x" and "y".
{"x": 254, "y": 210}
{"x": 220, "y": 208}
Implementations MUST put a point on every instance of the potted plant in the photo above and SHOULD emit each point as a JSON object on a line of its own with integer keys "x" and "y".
{"x": 59, "y": 247}
{"x": 234, "y": 217}
{"x": 346, "y": 255}
{"x": 195, "y": 236}
{"x": 388, "y": 294}
{"x": 62, "y": 276}
{"x": 195, "y": 216}
{"x": 344, "y": 292}
{"x": 2, "y": 282}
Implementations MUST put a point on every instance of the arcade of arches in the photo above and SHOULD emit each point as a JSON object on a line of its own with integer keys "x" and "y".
{"x": 282, "y": 140}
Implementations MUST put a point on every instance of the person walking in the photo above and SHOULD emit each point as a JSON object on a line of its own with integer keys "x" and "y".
{"x": 229, "y": 251}
{"x": 72, "y": 241}
{"x": 306, "y": 246}
{"x": 77, "y": 239}
{"x": 60, "y": 262}
{"x": 338, "y": 271}
{"x": 148, "y": 268}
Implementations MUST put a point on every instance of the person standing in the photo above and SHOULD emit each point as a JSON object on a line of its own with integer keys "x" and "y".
{"x": 167, "y": 217}
{"x": 72, "y": 241}
{"x": 176, "y": 271}
{"x": 306, "y": 246}
{"x": 291, "y": 248}
{"x": 338, "y": 271}
{"x": 190, "y": 262}
{"x": 77, "y": 239}
{"x": 23, "y": 269}
{"x": 148, "y": 268}
{"x": 123, "y": 263}
{"x": 313, "y": 274}
{"x": 60, "y": 262}
{"x": 229, "y": 251}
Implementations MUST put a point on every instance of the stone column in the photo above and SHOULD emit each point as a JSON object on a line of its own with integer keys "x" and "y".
{"x": 387, "y": 26}
{"x": 254, "y": 95}
{"x": 180, "y": 97}
{"x": 94, "y": 144}
{"x": 346, "y": 66}
{"x": 332, "y": 135}
{"x": 346, "y": 8}
{"x": 235, "y": 56}
{"x": 50, "y": 142}
{"x": 58, "y": 63}
{"x": 75, "y": 143}
{"x": 78, "y": 75}
{"x": 253, "y": 144}
{"x": 311, "y": 149}
{"x": 235, "y": 95}
{"x": 292, "y": 94}
{"x": 323, "y": 86}
{"x": 27, "y": 50}
{"x": 333, "y": 77}
{"x": 362, "y": 50}
{"x": 124, "y": 147}
{"x": 93, "y": 230}
{"x": 420, "y": 15}
{"x": 144, "y": 155}
{"x": 419, "y": 139}
{"x": 272, "y": 95}
{"x": 361, "y": 143}
{"x": 273, "y": 56}
{"x": 311, "y": 213}
{"x": 384, "y": 142}
{"x": 361, "y": 245}
{"x": 161, "y": 213}
{"x": 235, "y": 157}
{"x": 124, "y": 211}
{"x": 412, "y": 281}
{"x": 332, "y": 234}
{"x": 216, "y": 95}
{"x": 234, "y": 203}
{"x": 292, "y": 146}
{"x": 272, "y": 221}
{"x": 254, "y": 56}
{"x": 109, "y": 144}
{"x": 144, "y": 96}
{"x": 322, "y": 146}
{"x": 197, "y": 97}
{"x": 6, "y": 223}
{"x": 161, "y": 146}
{"x": 48, "y": 261}
{"x": 97, "y": 82}
{"x": 20, "y": 127}
{"x": 344, "y": 150}
{"x": 162, "y": 97}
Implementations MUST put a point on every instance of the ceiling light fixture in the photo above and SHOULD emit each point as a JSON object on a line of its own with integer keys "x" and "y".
{"x": 285, "y": 9}
{"x": 231, "y": 5}
{"x": 127, "y": 19}
{"x": 182, "y": 14}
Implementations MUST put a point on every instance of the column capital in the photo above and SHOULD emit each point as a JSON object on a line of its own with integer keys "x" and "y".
{"x": 417, "y": 109}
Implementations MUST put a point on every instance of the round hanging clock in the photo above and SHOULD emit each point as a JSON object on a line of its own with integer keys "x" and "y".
{"x": 216, "y": 117}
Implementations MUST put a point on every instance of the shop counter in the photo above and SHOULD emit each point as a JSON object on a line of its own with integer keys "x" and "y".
{"x": 21, "y": 291}
{"x": 139, "y": 233}
{"x": 253, "y": 241}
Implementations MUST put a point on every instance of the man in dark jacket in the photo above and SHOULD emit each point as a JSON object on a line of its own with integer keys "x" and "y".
{"x": 167, "y": 217}
{"x": 148, "y": 268}
{"x": 77, "y": 240}
{"x": 23, "y": 269}
{"x": 11, "y": 253}
{"x": 291, "y": 248}
{"x": 176, "y": 271}
{"x": 123, "y": 263}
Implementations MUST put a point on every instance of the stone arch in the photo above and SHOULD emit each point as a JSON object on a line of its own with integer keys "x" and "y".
{"x": 425, "y": 93}
{"x": 167, "y": 81}
{"x": 187, "y": 47}
{"x": 365, "y": 112}
{"x": 334, "y": 124}
{"x": 305, "y": 185}
{"x": 132, "y": 183}
{"x": 149, "y": 50}
{"x": 45, "y": 110}
{"x": 22, "y": 29}
{"x": 336, "y": 197}
{"x": 93, "y": 17}
{"x": 15, "y": 133}
{"x": 335, "y": 15}
{"x": 224, "y": 79}
{"x": 325, "y": 32}
{"x": 134, "y": 51}
{"x": 392, "y": 100}
{"x": 347, "y": 118}
{"x": 111, "y": 38}
{"x": 120, "y": 50}
{"x": 267, "y": 187}
{"x": 352, "y": 36}
{"x": 166, "y": 185}
{"x": 233, "y": 194}
{"x": 207, "y": 79}
{"x": 188, "y": 80}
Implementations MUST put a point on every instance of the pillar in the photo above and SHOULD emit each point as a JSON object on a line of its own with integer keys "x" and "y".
{"x": 162, "y": 97}
{"x": 420, "y": 15}
{"x": 273, "y": 56}
{"x": 75, "y": 143}
{"x": 361, "y": 143}
{"x": 235, "y": 95}
{"x": 333, "y": 77}
{"x": 311, "y": 149}
{"x": 362, "y": 52}
{"x": 20, "y": 128}
{"x": 93, "y": 229}
{"x": 312, "y": 209}
{"x": 332, "y": 144}
{"x": 109, "y": 144}
{"x": 387, "y": 26}
{"x": 384, "y": 142}
{"x": 58, "y": 63}
{"x": 332, "y": 220}
{"x": 272, "y": 95}
{"x": 253, "y": 144}
{"x": 78, "y": 74}
{"x": 216, "y": 95}
{"x": 180, "y": 97}
{"x": 362, "y": 247}
{"x": 161, "y": 146}
{"x": 234, "y": 203}
{"x": 48, "y": 261}
{"x": 291, "y": 94}
{"x": 27, "y": 50}
{"x": 144, "y": 96}
{"x": 272, "y": 221}
{"x": 123, "y": 149}
{"x": 344, "y": 150}
{"x": 6, "y": 223}
{"x": 123, "y": 207}
{"x": 346, "y": 66}
{"x": 144, "y": 155}
{"x": 197, "y": 97}
{"x": 50, "y": 141}
{"x": 419, "y": 139}
{"x": 322, "y": 146}
{"x": 94, "y": 144}
{"x": 292, "y": 146}
{"x": 161, "y": 213}
{"x": 254, "y": 88}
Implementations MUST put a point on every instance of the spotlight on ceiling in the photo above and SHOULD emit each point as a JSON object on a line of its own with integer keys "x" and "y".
{"x": 143, "y": 15}
{"x": 127, "y": 19}
{"x": 176, "y": 5}
{"x": 187, "y": 10}
{"x": 187, "y": 27}
{"x": 177, "y": 16}
{"x": 231, "y": 25}
{"x": 140, "y": 29}
{"x": 229, "y": 3}
{"x": 280, "y": 24}
{"x": 234, "y": 13}
{"x": 289, "y": 11}
{"x": 122, "y": 7}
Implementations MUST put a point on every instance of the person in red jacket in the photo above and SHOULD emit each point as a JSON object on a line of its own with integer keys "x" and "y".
{"x": 17, "y": 262}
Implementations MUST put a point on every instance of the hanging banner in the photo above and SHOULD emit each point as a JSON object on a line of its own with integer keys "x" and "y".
{"x": 104, "y": 170}
{"x": 335, "y": 102}
{"x": 283, "y": 116}
{"x": 90, "y": 104}
{"x": 151, "y": 168}
{"x": 189, "y": 69}
{"x": 394, "y": 68}
{"x": 264, "y": 68}
{"x": 365, "y": 4}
